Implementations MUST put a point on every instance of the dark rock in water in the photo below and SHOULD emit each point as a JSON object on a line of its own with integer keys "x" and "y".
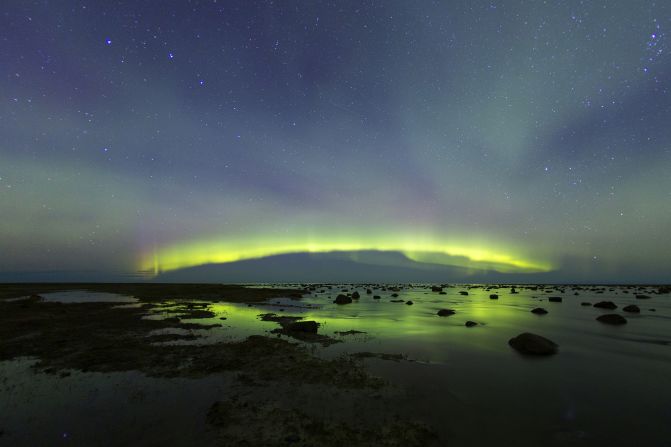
{"x": 631, "y": 308}
{"x": 343, "y": 299}
{"x": 394, "y": 295}
{"x": 463, "y": 292}
{"x": 642, "y": 297}
{"x": 512, "y": 290}
{"x": 539, "y": 311}
{"x": 606, "y": 305}
{"x": 368, "y": 291}
{"x": 470, "y": 323}
{"x": 585, "y": 303}
{"x": 555, "y": 299}
{"x": 409, "y": 303}
{"x": 442, "y": 293}
{"x": 445, "y": 312}
{"x": 396, "y": 301}
{"x": 493, "y": 296}
{"x": 376, "y": 297}
{"x": 613, "y": 319}
{"x": 356, "y": 295}
{"x": 292, "y": 439}
{"x": 436, "y": 289}
{"x": 532, "y": 344}
{"x": 303, "y": 326}
{"x": 653, "y": 310}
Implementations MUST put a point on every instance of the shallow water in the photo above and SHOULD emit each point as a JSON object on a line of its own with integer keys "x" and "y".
{"x": 84, "y": 296}
{"x": 607, "y": 385}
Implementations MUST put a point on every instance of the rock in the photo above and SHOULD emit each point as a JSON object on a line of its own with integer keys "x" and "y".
{"x": 463, "y": 292}
{"x": 343, "y": 299}
{"x": 470, "y": 323}
{"x": 409, "y": 303}
{"x": 606, "y": 305}
{"x": 368, "y": 291}
{"x": 445, "y": 312}
{"x": 376, "y": 297}
{"x": 642, "y": 297}
{"x": 512, "y": 290}
{"x": 532, "y": 344}
{"x": 631, "y": 308}
{"x": 585, "y": 303}
{"x": 396, "y": 301}
{"x": 356, "y": 295}
{"x": 394, "y": 295}
{"x": 303, "y": 326}
{"x": 539, "y": 311}
{"x": 292, "y": 439}
{"x": 613, "y": 319}
{"x": 442, "y": 293}
{"x": 555, "y": 299}
{"x": 493, "y": 296}
{"x": 436, "y": 289}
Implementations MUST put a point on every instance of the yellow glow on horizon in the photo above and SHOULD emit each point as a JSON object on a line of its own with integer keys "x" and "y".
{"x": 471, "y": 256}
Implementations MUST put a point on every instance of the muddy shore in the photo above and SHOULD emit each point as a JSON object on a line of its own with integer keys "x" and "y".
{"x": 95, "y": 337}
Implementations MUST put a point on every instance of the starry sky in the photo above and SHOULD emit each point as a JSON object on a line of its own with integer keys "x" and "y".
{"x": 520, "y": 136}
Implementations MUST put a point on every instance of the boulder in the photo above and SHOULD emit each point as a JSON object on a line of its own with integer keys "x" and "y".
{"x": 436, "y": 289}
{"x": 539, "y": 311}
{"x": 585, "y": 303}
{"x": 642, "y": 297}
{"x": 463, "y": 292}
{"x": 493, "y": 296}
{"x": 445, "y": 312}
{"x": 376, "y": 297}
{"x": 471, "y": 323}
{"x": 606, "y": 305}
{"x": 343, "y": 299}
{"x": 356, "y": 295}
{"x": 532, "y": 344}
{"x": 613, "y": 319}
{"x": 632, "y": 308}
{"x": 555, "y": 299}
{"x": 409, "y": 303}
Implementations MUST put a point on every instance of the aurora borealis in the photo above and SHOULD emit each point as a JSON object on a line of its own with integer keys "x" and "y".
{"x": 519, "y": 136}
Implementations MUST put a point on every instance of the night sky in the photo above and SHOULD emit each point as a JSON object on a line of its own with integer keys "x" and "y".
{"x": 519, "y": 136}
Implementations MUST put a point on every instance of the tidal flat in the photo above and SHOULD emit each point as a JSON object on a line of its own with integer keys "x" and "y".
{"x": 334, "y": 364}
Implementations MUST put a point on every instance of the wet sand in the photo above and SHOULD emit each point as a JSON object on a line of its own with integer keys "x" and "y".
{"x": 285, "y": 365}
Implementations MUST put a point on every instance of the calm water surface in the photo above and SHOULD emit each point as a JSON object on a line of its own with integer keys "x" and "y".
{"x": 607, "y": 385}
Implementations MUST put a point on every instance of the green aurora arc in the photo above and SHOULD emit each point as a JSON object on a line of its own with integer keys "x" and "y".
{"x": 424, "y": 251}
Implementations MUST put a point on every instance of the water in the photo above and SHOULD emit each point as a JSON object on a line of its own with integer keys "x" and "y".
{"x": 608, "y": 385}
{"x": 84, "y": 296}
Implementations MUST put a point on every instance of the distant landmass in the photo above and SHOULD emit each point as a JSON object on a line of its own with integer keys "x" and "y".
{"x": 341, "y": 266}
